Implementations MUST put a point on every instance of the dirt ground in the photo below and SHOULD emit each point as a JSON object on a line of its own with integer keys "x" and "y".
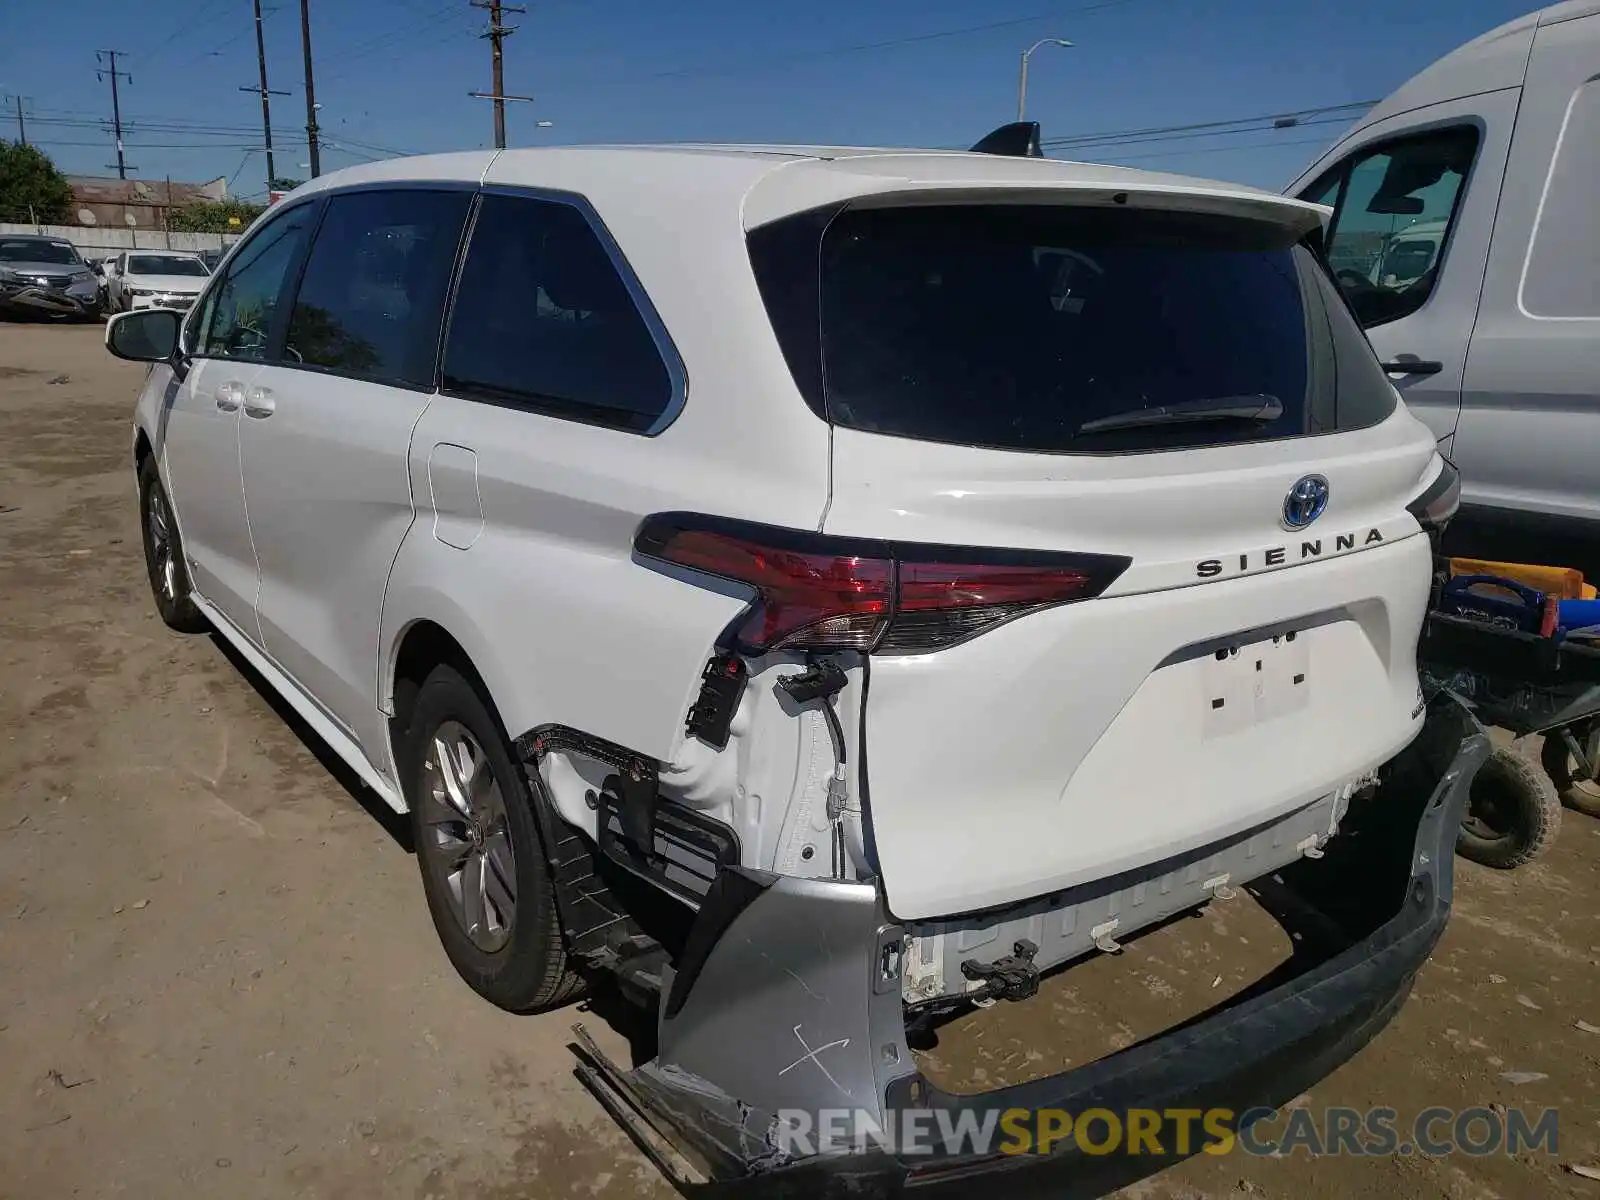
{"x": 218, "y": 978}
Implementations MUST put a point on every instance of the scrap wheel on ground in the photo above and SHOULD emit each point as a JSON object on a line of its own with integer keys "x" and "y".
{"x": 1513, "y": 812}
{"x": 1578, "y": 792}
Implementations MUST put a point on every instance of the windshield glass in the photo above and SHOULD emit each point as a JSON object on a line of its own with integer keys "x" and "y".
{"x": 1069, "y": 329}
{"x": 31, "y": 250}
{"x": 156, "y": 264}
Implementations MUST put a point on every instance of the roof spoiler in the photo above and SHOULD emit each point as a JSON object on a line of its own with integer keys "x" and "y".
{"x": 1019, "y": 139}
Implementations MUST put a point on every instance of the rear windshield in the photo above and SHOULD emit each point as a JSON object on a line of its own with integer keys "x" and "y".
{"x": 1063, "y": 329}
{"x": 155, "y": 264}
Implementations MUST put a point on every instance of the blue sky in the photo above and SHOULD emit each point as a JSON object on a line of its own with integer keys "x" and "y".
{"x": 394, "y": 75}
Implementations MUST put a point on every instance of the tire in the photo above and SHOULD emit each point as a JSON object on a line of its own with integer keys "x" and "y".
{"x": 1578, "y": 794}
{"x": 1513, "y": 812}
{"x": 473, "y": 825}
{"x": 164, "y": 562}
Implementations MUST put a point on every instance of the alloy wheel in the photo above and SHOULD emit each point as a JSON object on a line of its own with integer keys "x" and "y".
{"x": 465, "y": 836}
{"x": 159, "y": 524}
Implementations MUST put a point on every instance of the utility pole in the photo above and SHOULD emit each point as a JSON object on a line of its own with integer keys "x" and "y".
{"x": 266, "y": 94}
{"x": 311, "y": 91}
{"x": 116, "y": 102}
{"x": 22, "y": 128}
{"x": 497, "y": 33}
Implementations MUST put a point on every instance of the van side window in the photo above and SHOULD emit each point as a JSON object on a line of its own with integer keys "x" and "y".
{"x": 544, "y": 320}
{"x": 1394, "y": 206}
{"x": 371, "y": 300}
{"x": 240, "y": 305}
{"x": 1562, "y": 278}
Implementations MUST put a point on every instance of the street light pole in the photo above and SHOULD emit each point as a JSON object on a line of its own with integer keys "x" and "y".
{"x": 1022, "y": 77}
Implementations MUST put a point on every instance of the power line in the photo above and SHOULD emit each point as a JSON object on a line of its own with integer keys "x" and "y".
{"x": 187, "y": 26}
{"x": 1289, "y": 119}
{"x": 116, "y": 104}
{"x": 153, "y": 145}
{"x": 1219, "y": 149}
{"x": 362, "y": 49}
{"x": 768, "y": 61}
{"x": 389, "y": 150}
{"x": 1097, "y": 147}
{"x": 891, "y": 43}
{"x": 355, "y": 154}
{"x": 138, "y": 126}
{"x": 243, "y": 162}
{"x": 215, "y": 51}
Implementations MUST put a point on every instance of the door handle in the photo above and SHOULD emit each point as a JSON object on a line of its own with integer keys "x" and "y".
{"x": 1412, "y": 366}
{"x": 229, "y": 396}
{"x": 258, "y": 402}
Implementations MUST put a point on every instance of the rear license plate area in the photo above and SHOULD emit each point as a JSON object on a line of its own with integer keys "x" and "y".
{"x": 1246, "y": 684}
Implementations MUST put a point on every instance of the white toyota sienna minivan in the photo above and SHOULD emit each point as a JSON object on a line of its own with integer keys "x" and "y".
{"x": 824, "y": 589}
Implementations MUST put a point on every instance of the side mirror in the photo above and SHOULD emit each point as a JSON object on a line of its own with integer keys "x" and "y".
{"x": 148, "y": 335}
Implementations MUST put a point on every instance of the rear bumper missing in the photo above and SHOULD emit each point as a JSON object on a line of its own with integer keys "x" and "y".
{"x": 787, "y": 1001}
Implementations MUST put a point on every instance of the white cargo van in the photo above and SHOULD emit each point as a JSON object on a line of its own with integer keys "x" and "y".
{"x": 1487, "y": 165}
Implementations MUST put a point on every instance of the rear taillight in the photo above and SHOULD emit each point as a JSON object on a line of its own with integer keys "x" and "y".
{"x": 816, "y": 592}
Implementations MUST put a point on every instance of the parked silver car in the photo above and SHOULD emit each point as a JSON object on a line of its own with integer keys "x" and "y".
{"x": 46, "y": 276}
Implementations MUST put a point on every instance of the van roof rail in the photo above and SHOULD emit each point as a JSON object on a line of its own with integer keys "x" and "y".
{"x": 1019, "y": 139}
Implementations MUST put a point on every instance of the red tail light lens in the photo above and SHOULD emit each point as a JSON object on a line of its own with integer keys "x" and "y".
{"x": 840, "y": 600}
{"x": 816, "y": 592}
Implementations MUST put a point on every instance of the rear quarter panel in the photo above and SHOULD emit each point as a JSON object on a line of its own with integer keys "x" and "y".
{"x": 523, "y": 545}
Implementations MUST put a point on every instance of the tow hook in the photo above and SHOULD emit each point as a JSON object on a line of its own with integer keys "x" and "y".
{"x": 1013, "y": 977}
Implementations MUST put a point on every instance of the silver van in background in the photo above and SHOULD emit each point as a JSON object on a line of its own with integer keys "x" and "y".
{"x": 1465, "y": 233}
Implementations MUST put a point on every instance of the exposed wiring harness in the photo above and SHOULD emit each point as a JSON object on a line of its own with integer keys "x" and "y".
{"x": 823, "y": 680}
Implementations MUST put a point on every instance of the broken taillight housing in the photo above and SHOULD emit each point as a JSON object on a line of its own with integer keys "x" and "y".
{"x": 818, "y": 592}
{"x": 1440, "y": 501}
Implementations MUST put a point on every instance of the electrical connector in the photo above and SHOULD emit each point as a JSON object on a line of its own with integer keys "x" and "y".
{"x": 820, "y": 679}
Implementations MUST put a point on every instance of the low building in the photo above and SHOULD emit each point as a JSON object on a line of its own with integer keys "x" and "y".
{"x": 136, "y": 203}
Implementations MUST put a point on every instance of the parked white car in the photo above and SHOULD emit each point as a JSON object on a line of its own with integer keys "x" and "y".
{"x": 154, "y": 279}
{"x": 825, "y": 589}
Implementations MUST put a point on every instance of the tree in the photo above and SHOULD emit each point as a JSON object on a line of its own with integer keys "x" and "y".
{"x": 31, "y": 187}
{"x": 228, "y": 216}
{"x": 286, "y": 185}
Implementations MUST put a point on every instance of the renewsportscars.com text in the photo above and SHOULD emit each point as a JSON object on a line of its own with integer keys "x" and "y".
{"x": 1372, "y": 1132}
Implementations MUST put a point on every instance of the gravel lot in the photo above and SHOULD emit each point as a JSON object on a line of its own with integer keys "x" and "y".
{"x": 218, "y": 978}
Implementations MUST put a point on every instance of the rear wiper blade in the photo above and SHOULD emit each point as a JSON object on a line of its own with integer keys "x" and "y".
{"x": 1259, "y": 409}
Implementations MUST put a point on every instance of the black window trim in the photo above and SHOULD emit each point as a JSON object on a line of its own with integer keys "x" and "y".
{"x": 579, "y": 412}
{"x": 279, "y": 337}
{"x": 1382, "y": 144}
{"x": 190, "y": 331}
